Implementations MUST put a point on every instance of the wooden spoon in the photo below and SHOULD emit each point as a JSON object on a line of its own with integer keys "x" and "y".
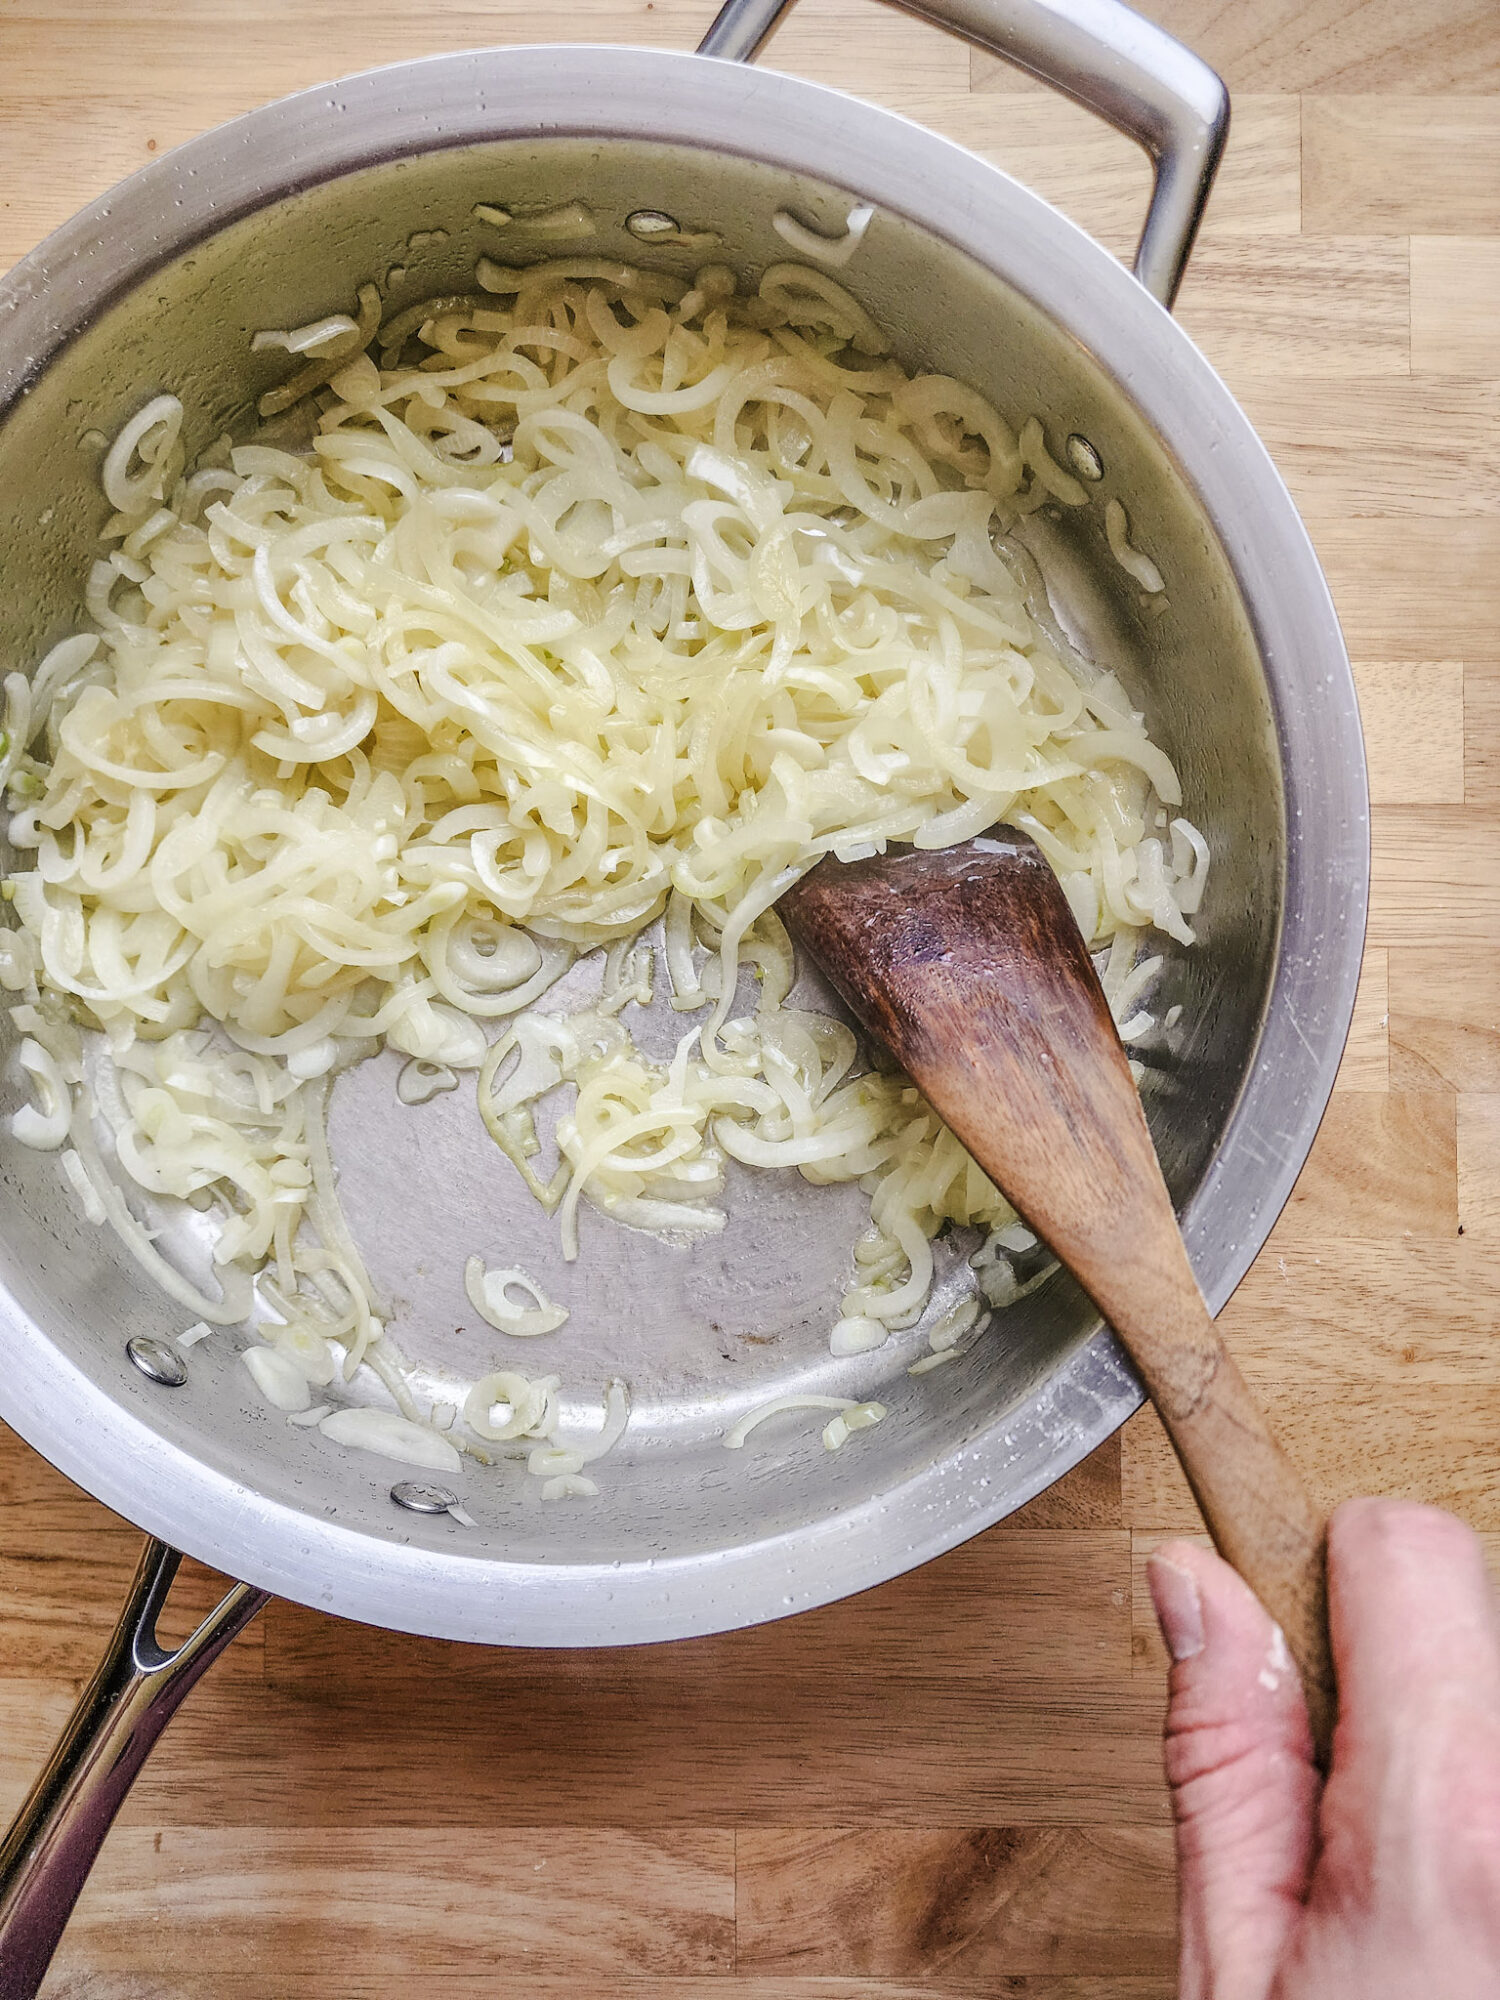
{"x": 968, "y": 965}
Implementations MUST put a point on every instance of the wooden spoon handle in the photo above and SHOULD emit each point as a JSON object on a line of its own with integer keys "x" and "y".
{"x": 1259, "y": 1513}
{"x": 969, "y": 966}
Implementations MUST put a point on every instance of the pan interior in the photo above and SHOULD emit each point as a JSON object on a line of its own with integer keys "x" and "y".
{"x": 703, "y": 1334}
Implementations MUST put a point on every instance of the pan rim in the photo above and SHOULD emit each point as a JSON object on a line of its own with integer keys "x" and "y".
{"x": 620, "y": 93}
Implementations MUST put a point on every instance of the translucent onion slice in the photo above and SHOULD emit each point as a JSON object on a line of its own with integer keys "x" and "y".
{"x": 488, "y": 1290}
{"x": 278, "y": 1378}
{"x": 569, "y": 1486}
{"x": 43, "y": 1126}
{"x": 528, "y": 1407}
{"x": 858, "y": 1417}
{"x": 419, "y": 1081}
{"x": 858, "y": 1335}
{"x": 391, "y": 1436}
{"x": 616, "y": 1417}
{"x": 734, "y": 1439}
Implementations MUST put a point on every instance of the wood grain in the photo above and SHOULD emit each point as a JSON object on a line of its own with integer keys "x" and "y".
{"x": 1367, "y": 1056}
{"x": 1384, "y": 1165}
{"x": 1278, "y": 304}
{"x": 1479, "y": 1164}
{"x": 1445, "y": 1020}
{"x": 1423, "y": 588}
{"x": 991, "y": 1581}
{"x": 975, "y": 1902}
{"x": 1481, "y": 733}
{"x": 1417, "y": 1441}
{"x": 1323, "y": 1311}
{"x": 64, "y": 1569}
{"x": 824, "y": 1748}
{"x": 1399, "y": 165}
{"x": 1413, "y": 716}
{"x": 1414, "y": 446}
{"x": 1436, "y": 877}
{"x": 1103, "y": 181}
{"x": 1455, "y": 304}
{"x": 1000, "y": 1708}
{"x": 1333, "y": 45}
{"x": 177, "y": 1900}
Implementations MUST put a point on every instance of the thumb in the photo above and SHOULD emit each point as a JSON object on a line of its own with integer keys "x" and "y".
{"x": 1239, "y": 1764}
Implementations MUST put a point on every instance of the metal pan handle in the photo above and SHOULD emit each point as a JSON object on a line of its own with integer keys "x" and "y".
{"x": 1106, "y": 58}
{"x": 136, "y": 1690}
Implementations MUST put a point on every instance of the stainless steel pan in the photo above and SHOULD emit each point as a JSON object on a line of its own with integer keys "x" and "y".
{"x": 277, "y": 218}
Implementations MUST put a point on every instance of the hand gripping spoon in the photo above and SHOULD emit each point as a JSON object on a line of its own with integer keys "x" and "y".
{"x": 967, "y": 964}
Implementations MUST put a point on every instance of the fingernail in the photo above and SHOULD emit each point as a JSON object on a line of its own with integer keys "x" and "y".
{"x": 1179, "y": 1609}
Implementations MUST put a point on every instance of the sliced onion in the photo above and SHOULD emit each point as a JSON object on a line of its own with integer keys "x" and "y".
{"x": 493, "y": 957}
{"x": 954, "y": 1324}
{"x": 528, "y": 663}
{"x": 550, "y": 1461}
{"x": 314, "y": 338}
{"x": 421, "y": 1081}
{"x": 1141, "y": 567}
{"x": 569, "y": 1486}
{"x": 527, "y": 1406}
{"x": 391, "y": 1436}
{"x": 734, "y": 1438}
{"x": 487, "y": 1294}
{"x": 278, "y": 1378}
{"x": 858, "y": 1335}
{"x": 858, "y": 1417}
{"x": 88, "y": 1195}
{"x": 129, "y": 492}
{"x": 44, "y": 1125}
{"x": 616, "y": 1417}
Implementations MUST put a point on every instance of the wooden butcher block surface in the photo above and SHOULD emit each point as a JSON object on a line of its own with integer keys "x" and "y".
{"x": 950, "y": 1786}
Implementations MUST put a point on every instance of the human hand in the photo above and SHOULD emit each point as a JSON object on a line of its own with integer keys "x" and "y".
{"x": 1383, "y": 1884}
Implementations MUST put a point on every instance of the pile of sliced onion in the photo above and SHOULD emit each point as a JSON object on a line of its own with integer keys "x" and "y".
{"x": 600, "y": 594}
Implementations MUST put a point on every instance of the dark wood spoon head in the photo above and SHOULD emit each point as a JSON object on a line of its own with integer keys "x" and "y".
{"x": 968, "y": 965}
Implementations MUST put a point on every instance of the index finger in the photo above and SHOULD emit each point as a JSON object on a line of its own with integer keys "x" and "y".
{"x": 1416, "y": 1641}
{"x": 1412, "y": 1612}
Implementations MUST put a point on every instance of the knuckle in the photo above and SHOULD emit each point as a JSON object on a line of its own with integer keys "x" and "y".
{"x": 1203, "y": 1751}
{"x": 1234, "y": 1795}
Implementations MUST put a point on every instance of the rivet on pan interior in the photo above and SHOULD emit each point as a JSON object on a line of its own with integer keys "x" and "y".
{"x": 157, "y": 1361}
{"x": 418, "y": 1498}
{"x": 648, "y": 222}
{"x": 1083, "y": 458}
